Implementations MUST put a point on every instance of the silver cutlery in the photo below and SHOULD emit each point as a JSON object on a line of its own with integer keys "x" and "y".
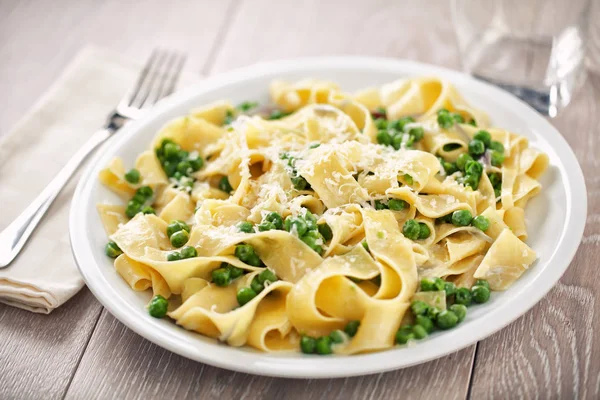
{"x": 156, "y": 80}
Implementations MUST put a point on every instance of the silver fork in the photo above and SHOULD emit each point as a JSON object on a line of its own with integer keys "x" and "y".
{"x": 157, "y": 79}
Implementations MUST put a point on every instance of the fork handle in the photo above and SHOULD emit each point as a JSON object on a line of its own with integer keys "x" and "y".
{"x": 15, "y": 235}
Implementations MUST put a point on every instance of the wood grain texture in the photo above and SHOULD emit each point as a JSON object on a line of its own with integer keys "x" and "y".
{"x": 38, "y": 39}
{"x": 553, "y": 351}
{"x": 120, "y": 364}
{"x": 40, "y": 353}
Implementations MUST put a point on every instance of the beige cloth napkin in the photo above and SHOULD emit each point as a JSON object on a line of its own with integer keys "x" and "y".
{"x": 44, "y": 275}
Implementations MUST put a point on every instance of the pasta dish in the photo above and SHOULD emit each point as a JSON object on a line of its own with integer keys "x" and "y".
{"x": 325, "y": 221}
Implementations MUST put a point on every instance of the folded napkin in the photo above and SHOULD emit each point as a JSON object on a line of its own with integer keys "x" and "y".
{"x": 44, "y": 275}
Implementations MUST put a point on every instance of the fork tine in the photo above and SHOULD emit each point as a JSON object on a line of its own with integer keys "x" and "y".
{"x": 132, "y": 93}
{"x": 149, "y": 79}
{"x": 173, "y": 79}
{"x": 169, "y": 73}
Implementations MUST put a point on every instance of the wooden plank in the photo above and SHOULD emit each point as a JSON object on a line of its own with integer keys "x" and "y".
{"x": 39, "y": 353}
{"x": 40, "y": 39}
{"x": 554, "y": 350}
{"x": 119, "y": 363}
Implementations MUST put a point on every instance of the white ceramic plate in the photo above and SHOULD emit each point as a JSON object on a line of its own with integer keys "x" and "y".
{"x": 555, "y": 219}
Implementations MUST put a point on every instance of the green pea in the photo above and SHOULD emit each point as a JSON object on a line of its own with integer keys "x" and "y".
{"x": 145, "y": 191}
{"x": 381, "y": 124}
{"x": 174, "y": 256}
{"x": 432, "y": 284}
{"x": 299, "y": 183}
{"x": 384, "y": 138}
{"x": 234, "y": 272}
{"x": 196, "y": 163}
{"x": 476, "y": 147}
{"x": 267, "y": 276}
{"x": 472, "y": 123}
{"x": 424, "y": 231}
{"x": 246, "y": 253}
{"x": 245, "y": 227}
{"x": 449, "y": 168}
{"x": 497, "y": 158}
{"x": 323, "y": 345}
{"x": 133, "y": 207}
{"x": 224, "y": 185}
{"x": 401, "y": 123}
{"x": 397, "y": 140}
{"x": 445, "y": 219}
{"x": 417, "y": 133}
{"x": 419, "y": 332}
{"x": 177, "y": 175}
{"x": 461, "y": 218}
{"x": 445, "y": 120}
{"x": 189, "y": 252}
{"x": 460, "y": 310}
{"x": 314, "y": 240}
{"x": 432, "y": 313}
{"x": 458, "y": 118}
{"x": 425, "y": 322}
{"x": 307, "y": 344}
{"x": 311, "y": 220}
{"x": 404, "y": 334}
{"x": 365, "y": 245}
{"x": 411, "y": 229}
{"x": 446, "y": 319}
{"x": 483, "y": 136}
{"x": 351, "y": 328}
{"x": 158, "y": 306}
{"x": 443, "y": 111}
{"x": 408, "y": 179}
{"x": 244, "y": 295}
{"x": 337, "y": 336}
{"x": 451, "y": 147}
{"x": 480, "y": 222}
{"x": 449, "y": 288}
{"x": 495, "y": 180}
{"x": 462, "y": 160}
{"x": 221, "y": 276}
{"x": 419, "y": 307}
{"x": 257, "y": 285}
{"x": 482, "y": 282}
{"x": 184, "y": 167}
{"x": 325, "y": 231}
{"x": 463, "y": 296}
{"x": 139, "y": 198}
{"x": 397, "y": 204}
{"x": 171, "y": 150}
{"x": 176, "y": 226}
{"x": 275, "y": 219}
{"x": 178, "y": 239}
{"x": 133, "y": 176}
{"x": 296, "y": 223}
{"x": 148, "y": 210}
{"x": 497, "y": 146}
{"x": 112, "y": 250}
{"x": 277, "y": 114}
{"x": 472, "y": 181}
{"x": 266, "y": 226}
{"x": 380, "y": 205}
{"x": 480, "y": 294}
{"x": 474, "y": 168}
{"x": 247, "y": 106}
{"x": 229, "y": 117}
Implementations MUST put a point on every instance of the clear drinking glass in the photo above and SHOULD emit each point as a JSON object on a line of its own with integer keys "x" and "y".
{"x": 532, "y": 48}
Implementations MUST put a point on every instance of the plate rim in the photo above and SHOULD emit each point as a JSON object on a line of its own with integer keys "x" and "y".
{"x": 315, "y": 366}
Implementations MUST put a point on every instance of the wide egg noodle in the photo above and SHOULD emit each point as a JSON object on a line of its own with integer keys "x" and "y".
{"x": 368, "y": 270}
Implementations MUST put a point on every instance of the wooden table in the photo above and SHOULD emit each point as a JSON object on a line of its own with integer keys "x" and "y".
{"x": 81, "y": 351}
